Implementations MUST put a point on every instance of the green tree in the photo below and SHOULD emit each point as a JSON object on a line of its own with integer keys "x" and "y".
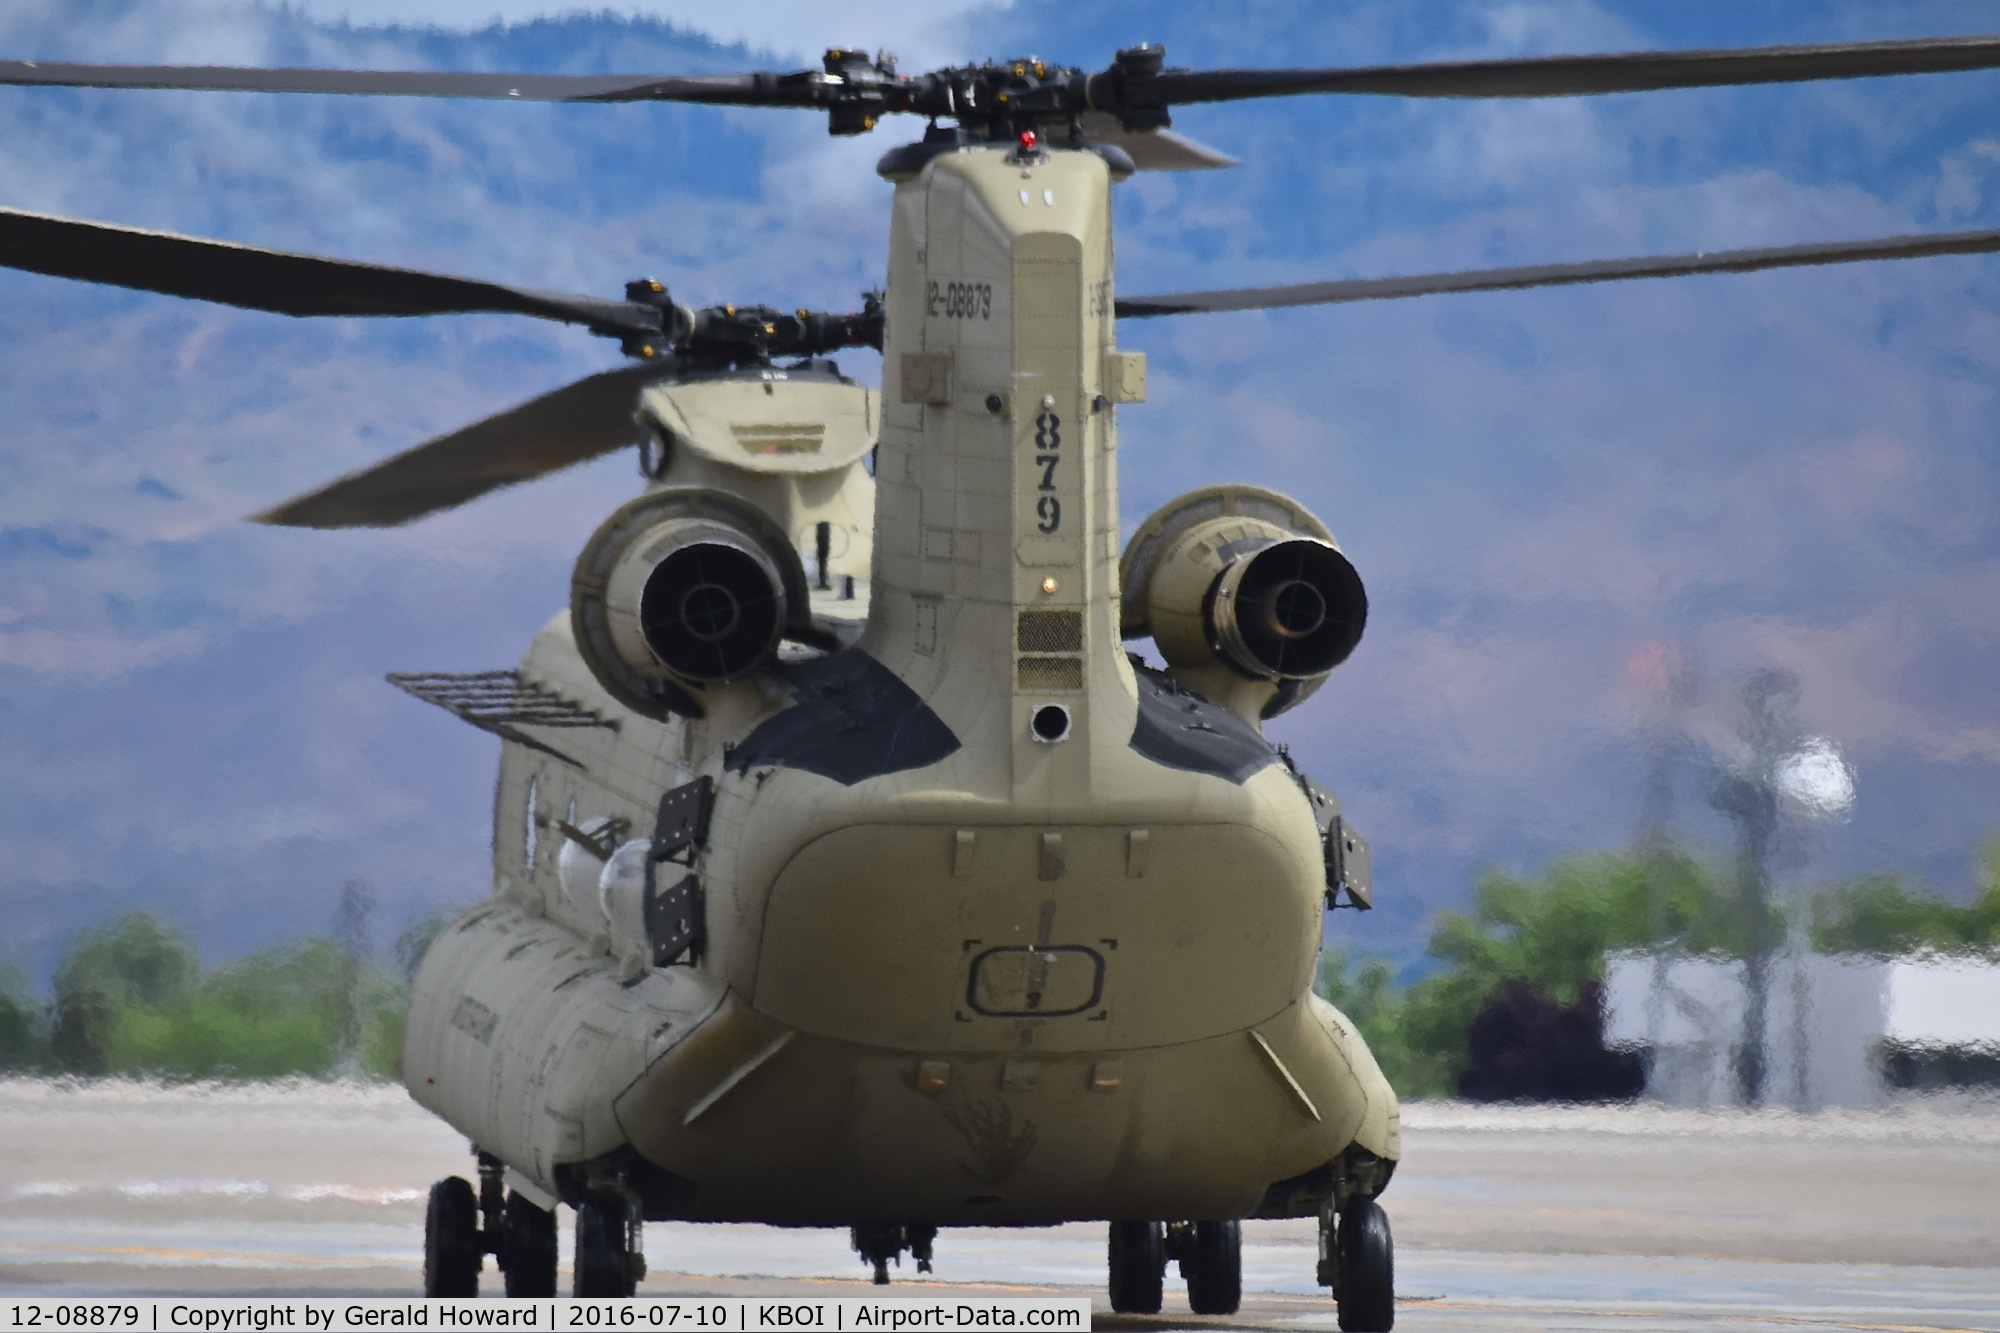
{"x": 301, "y": 1008}
{"x": 24, "y": 1038}
{"x": 1551, "y": 931}
{"x": 276, "y": 1012}
{"x": 1554, "y": 930}
{"x": 1365, "y": 990}
{"x": 131, "y": 960}
{"x": 1883, "y": 916}
{"x": 131, "y": 998}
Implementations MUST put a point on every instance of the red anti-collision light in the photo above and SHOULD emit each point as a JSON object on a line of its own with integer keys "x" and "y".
{"x": 1028, "y": 142}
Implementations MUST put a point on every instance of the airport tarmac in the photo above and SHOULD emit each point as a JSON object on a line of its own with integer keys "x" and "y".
{"x": 1506, "y": 1217}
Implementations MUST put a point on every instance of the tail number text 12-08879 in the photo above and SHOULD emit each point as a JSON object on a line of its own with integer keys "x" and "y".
{"x": 960, "y": 300}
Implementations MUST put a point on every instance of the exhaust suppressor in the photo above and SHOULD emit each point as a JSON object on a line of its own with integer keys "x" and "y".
{"x": 712, "y": 607}
{"x": 683, "y": 585}
{"x": 1245, "y": 594}
{"x": 1291, "y": 610}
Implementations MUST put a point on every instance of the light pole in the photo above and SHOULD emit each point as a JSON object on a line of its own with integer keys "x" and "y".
{"x": 1659, "y": 672}
{"x": 1775, "y": 759}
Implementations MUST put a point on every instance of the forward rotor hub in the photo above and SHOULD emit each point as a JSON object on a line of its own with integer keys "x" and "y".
{"x": 994, "y": 101}
{"x": 731, "y": 335}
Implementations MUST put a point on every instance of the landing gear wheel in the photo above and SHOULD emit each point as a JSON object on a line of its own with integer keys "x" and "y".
{"x": 603, "y": 1251}
{"x": 1214, "y": 1267}
{"x": 452, "y": 1253}
{"x": 1367, "y": 1291}
{"x": 528, "y": 1251}
{"x": 1138, "y": 1267}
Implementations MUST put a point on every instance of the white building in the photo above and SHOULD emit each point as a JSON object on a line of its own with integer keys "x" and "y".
{"x": 1838, "y": 1030}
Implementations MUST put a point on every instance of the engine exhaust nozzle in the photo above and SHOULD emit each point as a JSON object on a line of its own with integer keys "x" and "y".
{"x": 1292, "y": 610}
{"x": 1245, "y": 594}
{"x": 714, "y": 607}
{"x": 680, "y": 588}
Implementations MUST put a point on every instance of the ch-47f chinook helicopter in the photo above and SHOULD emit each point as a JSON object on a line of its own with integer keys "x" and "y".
{"x": 847, "y": 869}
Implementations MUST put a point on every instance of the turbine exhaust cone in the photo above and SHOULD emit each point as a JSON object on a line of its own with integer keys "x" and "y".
{"x": 681, "y": 588}
{"x": 1289, "y": 611}
{"x": 713, "y": 609}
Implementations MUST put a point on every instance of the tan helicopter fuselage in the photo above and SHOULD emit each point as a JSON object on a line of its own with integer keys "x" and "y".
{"x": 955, "y": 972}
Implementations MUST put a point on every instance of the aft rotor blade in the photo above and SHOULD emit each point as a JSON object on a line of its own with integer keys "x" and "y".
{"x": 286, "y": 284}
{"x": 764, "y": 89}
{"x": 1560, "y": 275}
{"x": 1574, "y": 76}
{"x": 573, "y": 424}
{"x": 1154, "y": 150}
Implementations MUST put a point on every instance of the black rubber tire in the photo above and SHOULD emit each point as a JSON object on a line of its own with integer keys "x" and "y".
{"x": 529, "y": 1248}
{"x": 1138, "y": 1254}
{"x": 603, "y": 1260}
{"x": 452, "y": 1254}
{"x": 1215, "y": 1267}
{"x": 1367, "y": 1293}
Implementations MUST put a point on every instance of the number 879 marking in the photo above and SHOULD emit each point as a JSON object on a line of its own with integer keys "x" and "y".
{"x": 1048, "y": 436}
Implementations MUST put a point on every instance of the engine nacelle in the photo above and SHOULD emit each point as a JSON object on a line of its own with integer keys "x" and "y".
{"x": 683, "y": 585}
{"x": 1245, "y": 594}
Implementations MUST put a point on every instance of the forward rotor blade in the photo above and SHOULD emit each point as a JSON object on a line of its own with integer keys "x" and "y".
{"x": 1560, "y": 275}
{"x": 757, "y": 89}
{"x": 1154, "y": 150}
{"x": 573, "y": 424}
{"x": 286, "y": 284}
{"x": 1573, "y": 76}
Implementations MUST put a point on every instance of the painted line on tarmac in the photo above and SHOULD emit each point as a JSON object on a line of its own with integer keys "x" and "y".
{"x": 1720, "y": 1317}
{"x": 85, "y": 1253}
{"x": 208, "y": 1188}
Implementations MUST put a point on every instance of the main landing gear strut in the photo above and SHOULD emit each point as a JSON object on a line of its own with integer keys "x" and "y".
{"x": 1210, "y": 1256}
{"x": 878, "y": 1245}
{"x": 1362, "y": 1271}
{"x": 1357, "y": 1257}
{"x": 609, "y": 1261}
{"x": 462, "y": 1227}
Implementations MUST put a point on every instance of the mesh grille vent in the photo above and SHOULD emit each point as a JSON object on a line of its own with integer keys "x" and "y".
{"x": 1050, "y": 673}
{"x": 1049, "y": 632}
{"x": 770, "y": 439}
